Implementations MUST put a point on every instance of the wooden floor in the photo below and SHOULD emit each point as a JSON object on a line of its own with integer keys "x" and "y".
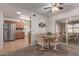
{"x": 63, "y": 50}
{"x": 19, "y": 48}
{"x": 14, "y": 45}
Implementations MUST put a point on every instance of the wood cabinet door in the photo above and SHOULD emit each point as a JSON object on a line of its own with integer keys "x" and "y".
{"x": 20, "y": 35}
{"x": 20, "y": 25}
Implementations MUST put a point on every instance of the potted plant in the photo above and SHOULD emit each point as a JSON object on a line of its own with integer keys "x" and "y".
{"x": 49, "y": 33}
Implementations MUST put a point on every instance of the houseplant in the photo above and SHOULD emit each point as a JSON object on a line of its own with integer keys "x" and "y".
{"x": 49, "y": 33}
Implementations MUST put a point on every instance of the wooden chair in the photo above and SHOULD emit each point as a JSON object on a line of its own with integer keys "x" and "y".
{"x": 41, "y": 41}
{"x": 55, "y": 42}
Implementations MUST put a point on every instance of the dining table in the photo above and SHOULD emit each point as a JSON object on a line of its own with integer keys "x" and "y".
{"x": 49, "y": 39}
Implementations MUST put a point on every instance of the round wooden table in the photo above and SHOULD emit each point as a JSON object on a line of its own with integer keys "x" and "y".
{"x": 49, "y": 39}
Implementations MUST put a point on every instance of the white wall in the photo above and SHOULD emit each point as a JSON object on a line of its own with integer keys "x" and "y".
{"x": 35, "y": 27}
{"x": 50, "y": 24}
{"x": 47, "y": 24}
{"x": 1, "y": 29}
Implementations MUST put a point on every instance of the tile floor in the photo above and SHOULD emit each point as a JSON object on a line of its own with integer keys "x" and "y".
{"x": 14, "y": 45}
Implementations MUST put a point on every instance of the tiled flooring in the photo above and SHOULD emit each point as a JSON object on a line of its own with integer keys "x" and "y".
{"x": 14, "y": 45}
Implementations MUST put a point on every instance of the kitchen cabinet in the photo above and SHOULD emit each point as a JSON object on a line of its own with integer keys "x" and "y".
{"x": 19, "y": 25}
{"x": 20, "y": 35}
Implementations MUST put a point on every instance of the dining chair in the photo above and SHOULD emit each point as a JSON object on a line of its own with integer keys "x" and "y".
{"x": 41, "y": 41}
{"x": 55, "y": 42}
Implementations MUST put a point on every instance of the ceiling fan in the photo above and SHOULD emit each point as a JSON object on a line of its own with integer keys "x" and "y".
{"x": 55, "y": 7}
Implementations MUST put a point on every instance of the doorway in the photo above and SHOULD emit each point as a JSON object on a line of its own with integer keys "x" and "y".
{"x": 17, "y": 35}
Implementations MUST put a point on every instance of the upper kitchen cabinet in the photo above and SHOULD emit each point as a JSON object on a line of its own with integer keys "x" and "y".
{"x": 19, "y": 25}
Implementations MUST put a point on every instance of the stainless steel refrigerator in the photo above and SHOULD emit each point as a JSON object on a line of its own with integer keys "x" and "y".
{"x": 9, "y": 32}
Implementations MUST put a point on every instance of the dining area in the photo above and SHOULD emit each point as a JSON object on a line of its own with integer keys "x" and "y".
{"x": 49, "y": 41}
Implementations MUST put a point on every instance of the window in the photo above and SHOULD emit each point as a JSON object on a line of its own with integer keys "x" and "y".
{"x": 73, "y": 28}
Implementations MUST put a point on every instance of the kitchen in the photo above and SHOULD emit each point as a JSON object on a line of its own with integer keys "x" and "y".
{"x": 15, "y": 35}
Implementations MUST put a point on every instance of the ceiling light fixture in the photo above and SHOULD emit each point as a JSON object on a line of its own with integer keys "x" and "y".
{"x": 22, "y": 17}
{"x": 18, "y": 12}
{"x": 55, "y": 9}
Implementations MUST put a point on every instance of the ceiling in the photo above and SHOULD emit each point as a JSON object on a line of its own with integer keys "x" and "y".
{"x": 9, "y": 9}
{"x": 74, "y": 19}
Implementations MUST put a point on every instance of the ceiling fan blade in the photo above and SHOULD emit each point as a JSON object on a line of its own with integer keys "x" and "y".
{"x": 47, "y": 7}
{"x": 61, "y": 3}
{"x": 60, "y": 7}
{"x": 58, "y": 4}
{"x": 50, "y": 10}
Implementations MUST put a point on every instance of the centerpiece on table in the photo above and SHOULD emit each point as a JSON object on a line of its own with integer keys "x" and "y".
{"x": 49, "y": 34}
